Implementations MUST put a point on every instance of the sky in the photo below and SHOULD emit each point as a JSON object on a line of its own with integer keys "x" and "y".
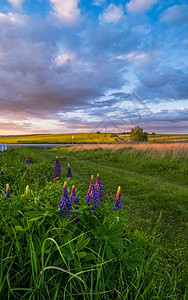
{"x": 98, "y": 65}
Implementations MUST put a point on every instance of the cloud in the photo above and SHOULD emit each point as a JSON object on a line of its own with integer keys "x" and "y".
{"x": 13, "y": 126}
{"x": 175, "y": 14}
{"x": 167, "y": 115}
{"x": 138, "y": 58}
{"x": 41, "y": 75}
{"x": 16, "y": 3}
{"x": 64, "y": 57}
{"x": 83, "y": 75}
{"x": 66, "y": 11}
{"x": 140, "y": 6}
{"x": 112, "y": 14}
{"x": 99, "y": 2}
{"x": 162, "y": 84}
{"x": 120, "y": 121}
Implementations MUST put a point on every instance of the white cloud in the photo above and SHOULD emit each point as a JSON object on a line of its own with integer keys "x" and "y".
{"x": 139, "y": 59}
{"x": 13, "y": 18}
{"x": 16, "y": 2}
{"x": 99, "y": 2}
{"x": 112, "y": 14}
{"x": 140, "y": 6}
{"x": 64, "y": 57}
{"x": 175, "y": 14}
{"x": 66, "y": 10}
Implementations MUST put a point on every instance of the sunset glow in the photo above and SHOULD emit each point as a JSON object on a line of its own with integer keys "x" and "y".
{"x": 87, "y": 66}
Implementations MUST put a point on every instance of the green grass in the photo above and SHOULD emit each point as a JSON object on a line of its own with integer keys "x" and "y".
{"x": 139, "y": 252}
{"x": 165, "y": 138}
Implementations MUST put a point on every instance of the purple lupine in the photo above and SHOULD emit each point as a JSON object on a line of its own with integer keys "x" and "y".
{"x": 2, "y": 173}
{"x": 92, "y": 195}
{"x": 65, "y": 204}
{"x": 99, "y": 188}
{"x": 8, "y": 194}
{"x": 69, "y": 174}
{"x": 27, "y": 161}
{"x": 75, "y": 200}
{"x": 117, "y": 203}
{"x": 57, "y": 169}
{"x": 73, "y": 197}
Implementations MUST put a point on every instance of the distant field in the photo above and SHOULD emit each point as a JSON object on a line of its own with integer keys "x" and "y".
{"x": 89, "y": 138}
{"x": 159, "y": 138}
{"x": 59, "y": 138}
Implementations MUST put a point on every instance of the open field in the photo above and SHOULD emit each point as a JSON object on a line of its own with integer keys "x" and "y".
{"x": 139, "y": 252}
{"x": 160, "y": 138}
{"x": 161, "y": 147}
{"x": 88, "y": 138}
{"x": 59, "y": 138}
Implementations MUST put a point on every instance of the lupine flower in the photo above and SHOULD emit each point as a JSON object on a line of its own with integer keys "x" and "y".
{"x": 27, "y": 191}
{"x": 27, "y": 161}
{"x": 69, "y": 174}
{"x": 75, "y": 200}
{"x": 117, "y": 203}
{"x": 8, "y": 194}
{"x": 57, "y": 169}
{"x": 99, "y": 188}
{"x": 92, "y": 196}
{"x": 65, "y": 203}
{"x": 73, "y": 197}
{"x": 2, "y": 173}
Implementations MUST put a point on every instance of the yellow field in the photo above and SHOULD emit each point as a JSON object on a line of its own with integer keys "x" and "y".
{"x": 58, "y": 138}
{"x": 88, "y": 137}
{"x": 159, "y": 138}
{"x": 167, "y": 138}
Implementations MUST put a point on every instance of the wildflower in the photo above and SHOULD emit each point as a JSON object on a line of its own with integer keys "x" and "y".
{"x": 75, "y": 200}
{"x": 2, "y": 173}
{"x": 92, "y": 195}
{"x": 117, "y": 203}
{"x": 65, "y": 203}
{"x": 73, "y": 197}
{"x": 57, "y": 170}
{"x": 69, "y": 174}
{"x": 8, "y": 194}
{"x": 27, "y": 161}
{"x": 99, "y": 188}
{"x": 27, "y": 191}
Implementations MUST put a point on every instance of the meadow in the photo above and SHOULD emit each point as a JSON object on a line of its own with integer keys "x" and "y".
{"x": 154, "y": 147}
{"x": 90, "y": 137}
{"x": 137, "y": 252}
{"x": 60, "y": 138}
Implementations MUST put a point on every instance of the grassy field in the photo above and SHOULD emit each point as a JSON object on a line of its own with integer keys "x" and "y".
{"x": 89, "y": 138}
{"x": 159, "y": 138}
{"x": 59, "y": 138}
{"x": 139, "y": 252}
{"x": 157, "y": 147}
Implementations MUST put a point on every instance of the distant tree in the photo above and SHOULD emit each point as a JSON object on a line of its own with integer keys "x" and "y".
{"x": 153, "y": 133}
{"x": 138, "y": 135}
{"x": 98, "y": 131}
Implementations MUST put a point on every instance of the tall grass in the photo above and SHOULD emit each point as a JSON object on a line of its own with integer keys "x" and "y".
{"x": 104, "y": 255}
{"x": 161, "y": 148}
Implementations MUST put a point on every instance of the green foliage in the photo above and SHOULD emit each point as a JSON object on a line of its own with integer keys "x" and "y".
{"x": 136, "y": 253}
{"x": 137, "y": 134}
